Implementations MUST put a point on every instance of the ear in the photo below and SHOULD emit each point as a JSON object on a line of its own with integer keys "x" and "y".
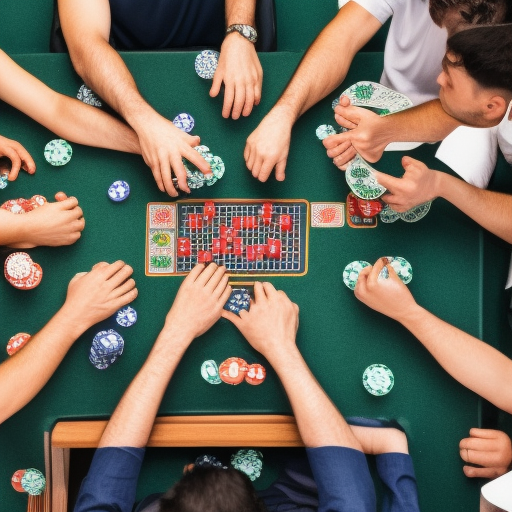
{"x": 495, "y": 108}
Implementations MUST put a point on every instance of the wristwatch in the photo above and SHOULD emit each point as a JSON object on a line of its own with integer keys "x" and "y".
{"x": 244, "y": 30}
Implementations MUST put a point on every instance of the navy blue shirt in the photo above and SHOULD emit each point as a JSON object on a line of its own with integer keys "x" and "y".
{"x": 161, "y": 24}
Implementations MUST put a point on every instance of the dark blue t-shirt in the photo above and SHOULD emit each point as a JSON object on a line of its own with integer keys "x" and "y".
{"x": 161, "y": 24}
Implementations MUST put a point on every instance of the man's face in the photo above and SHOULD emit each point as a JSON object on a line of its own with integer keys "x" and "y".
{"x": 461, "y": 96}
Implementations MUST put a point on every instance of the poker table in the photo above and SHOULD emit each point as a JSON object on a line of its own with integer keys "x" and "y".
{"x": 459, "y": 273}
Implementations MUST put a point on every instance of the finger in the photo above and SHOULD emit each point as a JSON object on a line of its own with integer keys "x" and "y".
{"x": 234, "y": 319}
{"x": 157, "y": 175}
{"x": 229, "y": 98}
{"x": 206, "y": 274}
{"x": 221, "y": 286}
{"x": 60, "y": 196}
{"x": 280, "y": 168}
{"x": 256, "y": 167}
{"x": 77, "y": 213}
{"x": 247, "y": 154}
{"x": 28, "y": 162}
{"x": 476, "y": 444}
{"x": 12, "y": 155}
{"x": 269, "y": 289}
{"x": 344, "y": 159}
{"x": 112, "y": 269}
{"x": 485, "y": 433}
{"x": 376, "y": 269}
{"x": 125, "y": 299}
{"x": 121, "y": 276}
{"x": 239, "y": 102}
{"x": 362, "y": 283}
{"x": 259, "y": 292}
{"x": 166, "y": 175}
{"x": 77, "y": 276}
{"x": 389, "y": 182}
{"x": 101, "y": 264}
{"x": 249, "y": 100}
{"x": 195, "y": 158}
{"x": 68, "y": 204}
{"x": 216, "y": 84}
{"x": 338, "y": 149}
{"x": 265, "y": 170}
{"x": 490, "y": 473}
{"x": 216, "y": 277}
{"x": 225, "y": 294}
{"x": 257, "y": 92}
{"x": 123, "y": 289}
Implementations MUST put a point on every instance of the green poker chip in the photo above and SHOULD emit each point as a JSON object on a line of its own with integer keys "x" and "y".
{"x": 217, "y": 166}
{"x": 351, "y": 273}
{"x": 416, "y": 213}
{"x": 248, "y": 462}
{"x": 378, "y": 379}
{"x": 324, "y": 131}
{"x": 361, "y": 180}
{"x": 33, "y": 482}
{"x": 388, "y": 215}
{"x": 58, "y": 152}
{"x": 210, "y": 372}
{"x": 195, "y": 178}
{"x": 402, "y": 268}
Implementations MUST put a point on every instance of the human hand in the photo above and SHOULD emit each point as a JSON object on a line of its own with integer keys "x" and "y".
{"x": 163, "y": 146}
{"x": 52, "y": 224}
{"x": 418, "y": 185}
{"x": 18, "y": 155}
{"x": 240, "y": 70}
{"x": 271, "y": 324}
{"x": 199, "y": 302}
{"x": 367, "y": 135}
{"x": 490, "y": 449}
{"x": 267, "y": 147}
{"x": 388, "y": 296}
{"x": 96, "y": 295}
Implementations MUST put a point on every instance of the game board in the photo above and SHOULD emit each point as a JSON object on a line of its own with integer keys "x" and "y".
{"x": 263, "y": 237}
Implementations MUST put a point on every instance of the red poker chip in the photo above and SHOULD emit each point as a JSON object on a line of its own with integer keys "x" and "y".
{"x": 38, "y": 200}
{"x": 233, "y": 370}
{"x": 255, "y": 374}
{"x": 21, "y": 272}
{"x": 16, "y": 480}
{"x": 17, "y": 342}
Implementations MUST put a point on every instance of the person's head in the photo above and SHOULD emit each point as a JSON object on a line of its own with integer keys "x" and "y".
{"x": 212, "y": 489}
{"x": 456, "y": 15}
{"x": 476, "y": 81}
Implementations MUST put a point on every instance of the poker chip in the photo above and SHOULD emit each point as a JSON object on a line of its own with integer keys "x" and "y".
{"x": 106, "y": 347}
{"x": 233, "y": 370}
{"x": 17, "y": 342}
{"x": 126, "y": 317}
{"x": 324, "y": 131}
{"x": 184, "y": 122}
{"x": 362, "y": 181}
{"x": 33, "y": 482}
{"x": 255, "y": 374}
{"x": 248, "y": 462}
{"x": 4, "y": 180}
{"x": 209, "y": 460}
{"x": 217, "y": 166}
{"x": 21, "y": 272}
{"x": 210, "y": 372}
{"x": 58, "y": 152}
{"x": 402, "y": 268}
{"x": 378, "y": 379}
{"x": 119, "y": 191}
{"x": 16, "y": 480}
{"x": 388, "y": 215}
{"x": 195, "y": 178}
{"x": 383, "y": 274}
{"x": 18, "y": 206}
{"x": 88, "y": 97}
{"x": 206, "y": 63}
{"x": 351, "y": 273}
{"x": 416, "y": 213}
{"x": 239, "y": 299}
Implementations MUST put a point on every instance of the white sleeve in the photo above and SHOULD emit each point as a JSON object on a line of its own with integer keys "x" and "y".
{"x": 381, "y": 9}
{"x": 505, "y": 136}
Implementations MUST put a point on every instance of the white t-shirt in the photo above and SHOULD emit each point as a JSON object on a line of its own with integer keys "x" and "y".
{"x": 414, "y": 50}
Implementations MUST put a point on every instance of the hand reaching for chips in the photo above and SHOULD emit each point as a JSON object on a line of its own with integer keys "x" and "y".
{"x": 19, "y": 157}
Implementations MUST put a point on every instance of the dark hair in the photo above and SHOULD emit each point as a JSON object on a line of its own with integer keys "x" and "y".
{"x": 486, "y": 55}
{"x": 472, "y": 12}
{"x": 212, "y": 489}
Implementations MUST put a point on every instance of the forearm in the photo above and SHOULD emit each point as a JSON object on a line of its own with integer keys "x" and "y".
{"x": 133, "y": 419}
{"x": 319, "y": 421}
{"x": 492, "y": 210}
{"x": 473, "y": 363}
{"x": 25, "y": 373}
{"x": 427, "y": 122}
{"x": 328, "y": 59}
{"x": 240, "y": 12}
{"x": 12, "y": 228}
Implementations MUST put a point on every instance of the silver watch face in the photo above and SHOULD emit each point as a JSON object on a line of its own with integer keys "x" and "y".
{"x": 245, "y": 30}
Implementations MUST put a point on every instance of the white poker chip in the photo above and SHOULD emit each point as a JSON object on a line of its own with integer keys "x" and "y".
{"x": 119, "y": 191}
{"x": 126, "y": 317}
{"x": 206, "y": 63}
{"x": 351, "y": 273}
{"x": 184, "y": 122}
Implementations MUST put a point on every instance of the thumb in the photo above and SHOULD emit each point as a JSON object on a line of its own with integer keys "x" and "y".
{"x": 68, "y": 203}
{"x": 345, "y": 101}
{"x": 234, "y": 319}
{"x": 387, "y": 181}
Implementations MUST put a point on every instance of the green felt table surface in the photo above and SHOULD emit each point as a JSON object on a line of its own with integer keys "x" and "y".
{"x": 338, "y": 336}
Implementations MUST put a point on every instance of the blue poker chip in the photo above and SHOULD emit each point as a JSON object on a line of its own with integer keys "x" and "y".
{"x": 239, "y": 299}
{"x": 126, "y": 317}
{"x": 184, "y": 122}
{"x": 106, "y": 347}
{"x": 206, "y": 63}
{"x": 119, "y": 191}
{"x": 4, "y": 181}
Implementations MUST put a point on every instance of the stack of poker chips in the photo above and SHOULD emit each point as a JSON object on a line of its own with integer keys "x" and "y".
{"x": 248, "y": 462}
{"x": 58, "y": 152}
{"x": 195, "y": 178}
{"x": 106, "y": 347}
{"x": 88, "y": 97}
{"x": 234, "y": 371}
{"x": 30, "y": 480}
{"x": 23, "y": 205}
{"x": 21, "y": 272}
{"x": 239, "y": 299}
